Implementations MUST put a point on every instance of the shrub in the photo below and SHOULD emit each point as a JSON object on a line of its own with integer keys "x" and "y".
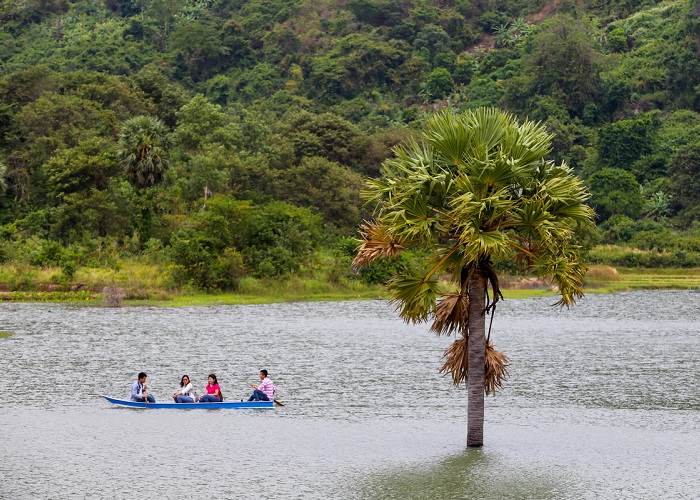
{"x": 380, "y": 271}
{"x": 280, "y": 238}
{"x": 440, "y": 83}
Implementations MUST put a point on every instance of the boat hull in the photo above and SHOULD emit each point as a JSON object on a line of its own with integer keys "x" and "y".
{"x": 193, "y": 406}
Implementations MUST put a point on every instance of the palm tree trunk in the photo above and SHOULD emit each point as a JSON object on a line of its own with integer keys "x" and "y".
{"x": 477, "y": 357}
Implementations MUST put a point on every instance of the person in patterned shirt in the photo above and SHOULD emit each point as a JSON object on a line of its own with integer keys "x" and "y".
{"x": 265, "y": 391}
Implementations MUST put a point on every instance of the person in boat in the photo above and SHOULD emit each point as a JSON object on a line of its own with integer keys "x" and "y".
{"x": 213, "y": 391}
{"x": 186, "y": 392}
{"x": 265, "y": 391}
{"x": 139, "y": 391}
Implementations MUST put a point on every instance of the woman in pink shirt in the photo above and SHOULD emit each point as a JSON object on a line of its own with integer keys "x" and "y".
{"x": 265, "y": 391}
{"x": 213, "y": 394}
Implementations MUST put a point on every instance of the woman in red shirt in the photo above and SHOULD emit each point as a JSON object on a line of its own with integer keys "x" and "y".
{"x": 213, "y": 394}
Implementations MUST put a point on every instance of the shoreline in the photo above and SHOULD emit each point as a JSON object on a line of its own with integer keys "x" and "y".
{"x": 600, "y": 279}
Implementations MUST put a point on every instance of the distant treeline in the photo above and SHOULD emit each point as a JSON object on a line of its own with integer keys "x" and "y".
{"x": 230, "y": 138}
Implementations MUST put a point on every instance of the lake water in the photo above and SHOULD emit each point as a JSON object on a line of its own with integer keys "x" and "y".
{"x": 603, "y": 401}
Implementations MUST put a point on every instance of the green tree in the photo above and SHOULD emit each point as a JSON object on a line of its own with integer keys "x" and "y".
{"x": 617, "y": 40}
{"x": 431, "y": 40}
{"x": 89, "y": 165}
{"x": 684, "y": 171}
{"x": 473, "y": 188}
{"x": 201, "y": 122}
{"x": 621, "y": 143}
{"x": 56, "y": 121}
{"x": 440, "y": 83}
{"x": 280, "y": 238}
{"x": 199, "y": 47}
{"x": 112, "y": 92}
{"x": 143, "y": 149}
{"x": 167, "y": 96}
{"x": 323, "y": 186}
{"x": 326, "y": 135}
{"x": 615, "y": 191}
{"x": 484, "y": 92}
{"x": 22, "y": 87}
{"x": 563, "y": 63}
{"x": 90, "y": 212}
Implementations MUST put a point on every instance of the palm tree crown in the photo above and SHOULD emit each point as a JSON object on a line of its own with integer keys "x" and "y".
{"x": 143, "y": 147}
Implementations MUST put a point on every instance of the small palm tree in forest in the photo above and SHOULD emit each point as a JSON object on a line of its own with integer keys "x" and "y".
{"x": 143, "y": 148}
{"x": 474, "y": 188}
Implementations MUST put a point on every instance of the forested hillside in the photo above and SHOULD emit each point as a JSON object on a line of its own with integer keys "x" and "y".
{"x": 219, "y": 139}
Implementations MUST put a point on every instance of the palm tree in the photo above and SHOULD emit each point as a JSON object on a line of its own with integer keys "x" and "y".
{"x": 143, "y": 148}
{"x": 473, "y": 188}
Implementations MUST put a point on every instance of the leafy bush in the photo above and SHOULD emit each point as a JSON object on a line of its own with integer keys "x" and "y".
{"x": 280, "y": 238}
{"x": 440, "y": 83}
{"x": 380, "y": 271}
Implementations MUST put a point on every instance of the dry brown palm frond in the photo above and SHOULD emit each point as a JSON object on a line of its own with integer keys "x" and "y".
{"x": 456, "y": 361}
{"x": 452, "y": 314}
{"x": 457, "y": 365}
{"x": 496, "y": 369}
{"x": 376, "y": 242}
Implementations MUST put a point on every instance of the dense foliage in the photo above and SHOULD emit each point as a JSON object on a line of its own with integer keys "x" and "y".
{"x": 229, "y": 138}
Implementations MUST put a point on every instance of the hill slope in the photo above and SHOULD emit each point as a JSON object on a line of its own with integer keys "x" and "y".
{"x": 264, "y": 115}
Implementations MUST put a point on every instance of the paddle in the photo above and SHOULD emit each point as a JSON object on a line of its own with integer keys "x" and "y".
{"x": 277, "y": 403}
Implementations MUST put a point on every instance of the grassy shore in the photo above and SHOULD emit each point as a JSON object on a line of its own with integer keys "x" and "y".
{"x": 604, "y": 279}
{"x": 147, "y": 285}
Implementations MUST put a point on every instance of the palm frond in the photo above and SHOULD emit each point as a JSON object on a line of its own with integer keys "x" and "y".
{"x": 496, "y": 369}
{"x": 457, "y": 365}
{"x": 448, "y": 260}
{"x": 499, "y": 173}
{"x": 411, "y": 219}
{"x": 447, "y": 137}
{"x": 414, "y": 293}
{"x": 488, "y": 126}
{"x": 527, "y": 143}
{"x": 376, "y": 242}
{"x": 561, "y": 263}
{"x": 457, "y": 361}
{"x": 532, "y": 219}
{"x": 452, "y": 314}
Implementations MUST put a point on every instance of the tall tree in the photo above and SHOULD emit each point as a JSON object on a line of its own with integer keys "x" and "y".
{"x": 563, "y": 63}
{"x": 474, "y": 187}
{"x": 143, "y": 148}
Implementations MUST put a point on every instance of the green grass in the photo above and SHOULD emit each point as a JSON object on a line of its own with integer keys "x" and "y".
{"x": 644, "y": 279}
{"x": 146, "y": 284}
{"x": 202, "y": 299}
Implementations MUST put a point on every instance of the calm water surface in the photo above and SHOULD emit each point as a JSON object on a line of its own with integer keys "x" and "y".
{"x": 603, "y": 402}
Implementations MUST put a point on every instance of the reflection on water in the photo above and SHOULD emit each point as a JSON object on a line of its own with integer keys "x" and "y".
{"x": 478, "y": 473}
{"x": 602, "y": 402}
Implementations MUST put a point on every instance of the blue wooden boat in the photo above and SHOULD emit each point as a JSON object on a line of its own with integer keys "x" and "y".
{"x": 193, "y": 406}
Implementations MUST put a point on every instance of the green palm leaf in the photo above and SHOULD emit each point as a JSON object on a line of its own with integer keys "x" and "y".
{"x": 414, "y": 294}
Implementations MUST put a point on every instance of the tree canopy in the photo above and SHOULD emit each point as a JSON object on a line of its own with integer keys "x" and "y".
{"x": 145, "y": 111}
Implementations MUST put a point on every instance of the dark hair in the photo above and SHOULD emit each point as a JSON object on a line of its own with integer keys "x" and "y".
{"x": 182, "y": 380}
{"x": 141, "y": 375}
{"x": 214, "y": 377}
{"x": 264, "y": 372}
